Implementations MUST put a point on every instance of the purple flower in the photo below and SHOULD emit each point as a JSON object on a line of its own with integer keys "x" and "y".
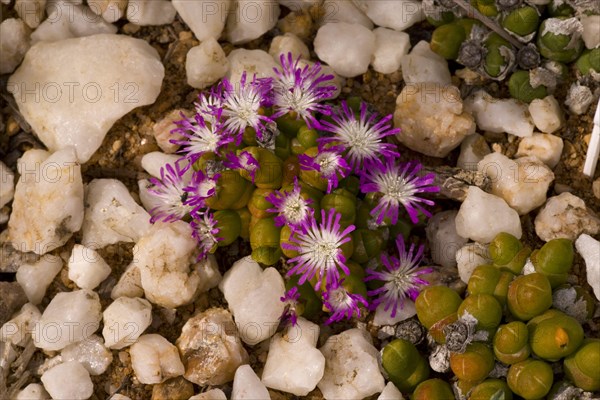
{"x": 170, "y": 193}
{"x": 201, "y": 136}
{"x": 244, "y": 161}
{"x": 329, "y": 162}
{"x": 361, "y": 139}
{"x": 397, "y": 184}
{"x": 401, "y": 280}
{"x": 200, "y": 188}
{"x": 290, "y": 303}
{"x": 292, "y": 207}
{"x": 319, "y": 248}
{"x": 204, "y": 230}
{"x": 242, "y": 104}
{"x": 341, "y": 303}
{"x": 209, "y": 106}
{"x": 299, "y": 90}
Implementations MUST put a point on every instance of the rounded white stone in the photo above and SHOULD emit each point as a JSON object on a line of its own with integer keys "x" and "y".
{"x": 107, "y": 72}
{"x": 154, "y": 359}
{"x": 87, "y": 268}
{"x": 390, "y": 47}
{"x": 293, "y": 364}
{"x": 20, "y": 325}
{"x": 205, "y": 18}
{"x": 500, "y": 115}
{"x": 394, "y": 14}
{"x": 247, "y": 386}
{"x": 469, "y": 257}
{"x": 35, "y": 278}
{"x": 546, "y": 114}
{"x": 591, "y": 30}
{"x": 125, "y": 319}
{"x": 546, "y": 147}
{"x": 150, "y": 12}
{"x": 91, "y": 353}
{"x": 443, "y": 239}
{"x": 288, "y": 43}
{"x": 250, "y": 19}
{"x": 205, "y": 64}
{"x": 253, "y": 296}
{"x": 252, "y": 62}
{"x": 424, "y": 66}
{"x": 69, "y": 380}
{"x": 69, "y": 318}
{"x": 33, "y": 391}
{"x": 15, "y": 43}
{"x": 347, "y": 48}
{"x": 522, "y": 183}
{"x": 166, "y": 259}
{"x": 472, "y": 150}
{"x": 344, "y": 11}
{"x": 565, "y": 216}
{"x": 482, "y": 216}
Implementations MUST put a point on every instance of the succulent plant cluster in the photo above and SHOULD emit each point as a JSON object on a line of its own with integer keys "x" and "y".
{"x": 534, "y": 43}
{"x": 511, "y": 334}
{"x": 315, "y": 184}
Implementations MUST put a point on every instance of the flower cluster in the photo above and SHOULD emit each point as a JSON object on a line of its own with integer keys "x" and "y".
{"x": 316, "y": 184}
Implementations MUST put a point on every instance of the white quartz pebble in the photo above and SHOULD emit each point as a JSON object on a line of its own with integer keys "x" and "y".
{"x": 206, "y": 18}
{"x": 422, "y": 65}
{"x": 205, "y": 64}
{"x": 431, "y": 118}
{"x": 579, "y": 98}
{"x": 110, "y": 10}
{"x": 155, "y": 160}
{"x": 125, "y": 319}
{"x": 390, "y": 392}
{"x": 390, "y": 47}
{"x": 35, "y": 278}
{"x": 383, "y": 317}
{"x": 250, "y": 19}
{"x": 212, "y": 394}
{"x": 33, "y": 391}
{"x": 69, "y": 380}
{"x": 87, "y": 268}
{"x": 482, "y": 216}
{"x": 129, "y": 284}
{"x": 252, "y": 62}
{"x": 472, "y": 150}
{"x": 443, "y": 239}
{"x": 154, "y": 359}
{"x": 293, "y": 364}
{"x": 565, "y": 216}
{"x": 591, "y": 30}
{"x": 91, "y": 353}
{"x": 344, "y": 11}
{"x": 7, "y": 189}
{"x": 67, "y": 20}
{"x": 522, "y": 183}
{"x": 247, "y": 386}
{"x": 20, "y": 326}
{"x": 69, "y": 318}
{"x": 253, "y": 296}
{"x": 15, "y": 43}
{"x": 395, "y": 14}
{"x": 546, "y": 147}
{"x": 166, "y": 258}
{"x": 469, "y": 257}
{"x": 150, "y": 12}
{"x": 288, "y": 43}
{"x": 53, "y": 180}
{"x": 500, "y": 115}
{"x": 546, "y": 114}
{"x": 102, "y": 77}
{"x": 30, "y": 11}
{"x": 351, "y": 367}
{"x": 112, "y": 215}
{"x": 589, "y": 248}
{"x": 347, "y": 48}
